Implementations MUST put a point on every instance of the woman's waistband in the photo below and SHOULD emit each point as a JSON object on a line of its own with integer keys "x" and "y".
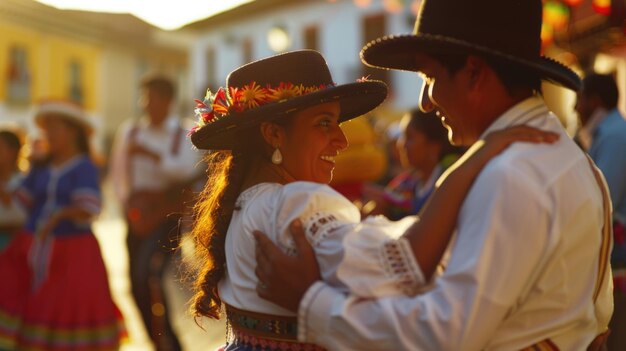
{"x": 263, "y": 325}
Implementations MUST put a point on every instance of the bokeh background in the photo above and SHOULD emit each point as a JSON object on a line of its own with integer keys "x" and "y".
{"x": 95, "y": 53}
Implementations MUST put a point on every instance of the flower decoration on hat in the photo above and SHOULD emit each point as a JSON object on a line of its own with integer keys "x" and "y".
{"x": 248, "y": 97}
{"x": 286, "y": 91}
{"x": 252, "y": 96}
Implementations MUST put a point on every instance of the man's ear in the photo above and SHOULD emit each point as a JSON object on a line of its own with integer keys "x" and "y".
{"x": 272, "y": 133}
{"x": 476, "y": 69}
{"x": 475, "y": 80}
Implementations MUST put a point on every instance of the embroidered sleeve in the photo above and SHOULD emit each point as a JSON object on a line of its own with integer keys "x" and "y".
{"x": 86, "y": 191}
{"x": 326, "y": 217}
{"x": 320, "y": 208}
{"x": 319, "y": 225}
{"x": 378, "y": 261}
{"x": 400, "y": 266}
{"x": 88, "y": 199}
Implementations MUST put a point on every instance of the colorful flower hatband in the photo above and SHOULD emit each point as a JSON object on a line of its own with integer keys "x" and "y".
{"x": 250, "y": 96}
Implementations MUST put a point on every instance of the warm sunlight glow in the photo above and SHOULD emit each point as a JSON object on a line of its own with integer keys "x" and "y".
{"x": 168, "y": 15}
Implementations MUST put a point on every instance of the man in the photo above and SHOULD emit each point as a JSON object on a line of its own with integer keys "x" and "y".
{"x": 604, "y": 128}
{"x": 603, "y": 134}
{"x": 152, "y": 165}
{"x": 528, "y": 264}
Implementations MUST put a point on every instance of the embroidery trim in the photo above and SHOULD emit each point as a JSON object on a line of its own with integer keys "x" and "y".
{"x": 400, "y": 265}
{"x": 317, "y": 227}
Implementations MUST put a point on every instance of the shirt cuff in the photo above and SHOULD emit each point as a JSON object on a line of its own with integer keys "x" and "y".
{"x": 314, "y": 312}
{"x": 401, "y": 265}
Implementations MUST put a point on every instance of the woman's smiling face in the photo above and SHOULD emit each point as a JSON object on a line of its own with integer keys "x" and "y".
{"x": 311, "y": 141}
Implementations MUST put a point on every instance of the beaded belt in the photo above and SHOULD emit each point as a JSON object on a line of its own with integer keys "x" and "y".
{"x": 241, "y": 340}
{"x": 263, "y": 325}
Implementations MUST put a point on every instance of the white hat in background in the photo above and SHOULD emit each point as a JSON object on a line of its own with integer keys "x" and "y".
{"x": 63, "y": 109}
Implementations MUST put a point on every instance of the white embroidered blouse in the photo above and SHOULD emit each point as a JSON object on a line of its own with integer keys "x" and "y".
{"x": 354, "y": 256}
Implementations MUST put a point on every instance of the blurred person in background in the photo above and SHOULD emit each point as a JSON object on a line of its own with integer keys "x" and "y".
{"x": 152, "y": 165}
{"x": 390, "y": 135}
{"x": 603, "y": 135}
{"x": 425, "y": 153}
{"x": 55, "y": 292}
{"x": 12, "y": 216}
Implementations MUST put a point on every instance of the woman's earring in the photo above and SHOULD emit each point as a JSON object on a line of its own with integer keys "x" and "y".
{"x": 277, "y": 157}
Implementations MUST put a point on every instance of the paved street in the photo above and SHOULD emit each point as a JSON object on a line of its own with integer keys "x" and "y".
{"x": 110, "y": 231}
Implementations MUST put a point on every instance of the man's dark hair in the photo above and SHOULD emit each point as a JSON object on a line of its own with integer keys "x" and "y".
{"x": 429, "y": 124}
{"x": 514, "y": 78}
{"x": 604, "y": 87}
{"x": 160, "y": 84}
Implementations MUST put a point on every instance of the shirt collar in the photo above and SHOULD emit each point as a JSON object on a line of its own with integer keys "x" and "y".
{"x": 520, "y": 113}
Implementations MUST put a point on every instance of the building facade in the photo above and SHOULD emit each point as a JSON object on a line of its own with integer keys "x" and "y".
{"x": 338, "y": 29}
{"x": 94, "y": 59}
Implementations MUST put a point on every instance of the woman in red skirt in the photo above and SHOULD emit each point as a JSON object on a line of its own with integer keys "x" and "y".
{"x": 54, "y": 293}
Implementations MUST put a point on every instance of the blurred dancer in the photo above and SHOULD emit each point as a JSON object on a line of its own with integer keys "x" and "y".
{"x": 603, "y": 135}
{"x": 59, "y": 297}
{"x": 12, "y": 216}
{"x": 152, "y": 165}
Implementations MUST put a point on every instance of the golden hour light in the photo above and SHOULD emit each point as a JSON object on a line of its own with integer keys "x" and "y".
{"x": 168, "y": 15}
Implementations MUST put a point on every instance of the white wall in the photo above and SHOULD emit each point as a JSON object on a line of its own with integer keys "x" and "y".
{"x": 340, "y": 40}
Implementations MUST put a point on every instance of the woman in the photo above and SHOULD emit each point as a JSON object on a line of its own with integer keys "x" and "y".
{"x": 425, "y": 153}
{"x": 12, "y": 216}
{"x": 59, "y": 298}
{"x": 278, "y": 129}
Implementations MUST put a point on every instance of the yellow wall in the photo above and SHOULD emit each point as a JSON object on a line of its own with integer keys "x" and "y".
{"x": 48, "y": 58}
{"x": 62, "y": 53}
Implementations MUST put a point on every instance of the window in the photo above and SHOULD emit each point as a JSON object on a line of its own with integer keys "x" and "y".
{"x": 311, "y": 34}
{"x": 75, "y": 74}
{"x": 18, "y": 76}
{"x": 246, "y": 48}
{"x": 374, "y": 27}
{"x": 211, "y": 76}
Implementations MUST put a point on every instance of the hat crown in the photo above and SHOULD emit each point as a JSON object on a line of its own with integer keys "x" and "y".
{"x": 509, "y": 26}
{"x": 306, "y": 67}
{"x": 273, "y": 88}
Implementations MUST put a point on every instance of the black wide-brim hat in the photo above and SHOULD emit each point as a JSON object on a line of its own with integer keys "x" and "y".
{"x": 304, "y": 69}
{"x": 507, "y": 30}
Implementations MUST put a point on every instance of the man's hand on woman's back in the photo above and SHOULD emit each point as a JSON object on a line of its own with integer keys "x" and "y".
{"x": 285, "y": 279}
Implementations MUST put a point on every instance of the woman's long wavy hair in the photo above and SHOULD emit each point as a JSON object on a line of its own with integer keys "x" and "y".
{"x": 227, "y": 171}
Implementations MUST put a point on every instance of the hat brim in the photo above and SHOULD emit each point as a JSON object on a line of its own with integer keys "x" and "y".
{"x": 356, "y": 99}
{"x": 398, "y": 52}
{"x": 42, "y": 116}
